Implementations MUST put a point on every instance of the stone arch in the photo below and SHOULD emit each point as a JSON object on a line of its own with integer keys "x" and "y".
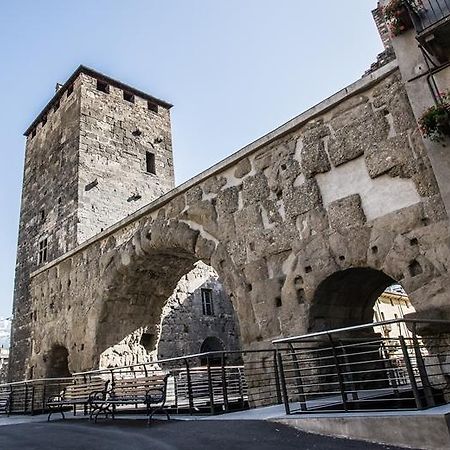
{"x": 346, "y": 298}
{"x": 57, "y": 362}
{"x": 139, "y": 276}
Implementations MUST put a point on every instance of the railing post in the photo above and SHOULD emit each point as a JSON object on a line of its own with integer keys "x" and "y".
{"x": 189, "y": 387}
{"x": 389, "y": 369}
{"x": 44, "y": 394}
{"x": 338, "y": 373}
{"x": 25, "y": 402}
{"x": 409, "y": 369}
{"x": 298, "y": 379}
{"x": 283, "y": 384}
{"x": 277, "y": 378}
{"x": 347, "y": 362}
{"x": 32, "y": 400}
{"x": 210, "y": 385}
{"x": 429, "y": 399}
{"x": 224, "y": 383}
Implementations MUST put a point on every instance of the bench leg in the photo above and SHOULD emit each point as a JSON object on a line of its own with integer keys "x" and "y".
{"x": 59, "y": 411}
{"x": 160, "y": 409}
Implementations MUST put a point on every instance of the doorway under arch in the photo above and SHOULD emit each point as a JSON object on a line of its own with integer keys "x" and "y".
{"x": 209, "y": 345}
{"x": 57, "y": 362}
{"x": 347, "y": 298}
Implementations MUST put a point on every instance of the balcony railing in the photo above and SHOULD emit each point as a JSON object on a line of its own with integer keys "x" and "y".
{"x": 426, "y": 13}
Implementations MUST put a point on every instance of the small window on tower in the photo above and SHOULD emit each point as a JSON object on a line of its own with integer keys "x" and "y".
{"x": 207, "y": 302}
{"x": 69, "y": 90}
{"x": 56, "y": 107}
{"x": 150, "y": 162}
{"x": 128, "y": 97}
{"x": 44, "y": 120}
{"x": 152, "y": 107}
{"x": 43, "y": 251}
{"x": 102, "y": 86}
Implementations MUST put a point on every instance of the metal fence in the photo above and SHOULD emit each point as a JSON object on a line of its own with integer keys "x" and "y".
{"x": 363, "y": 368}
{"x": 426, "y": 13}
{"x": 204, "y": 383}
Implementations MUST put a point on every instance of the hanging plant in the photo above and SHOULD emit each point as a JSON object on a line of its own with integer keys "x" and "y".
{"x": 397, "y": 17}
{"x": 435, "y": 121}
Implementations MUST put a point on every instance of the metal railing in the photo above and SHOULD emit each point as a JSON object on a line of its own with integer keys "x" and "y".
{"x": 426, "y": 13}
{"x": 361, "y": 368}
{"x": 205, "y": 383}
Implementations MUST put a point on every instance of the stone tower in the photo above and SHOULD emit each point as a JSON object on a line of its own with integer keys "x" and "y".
{"x": 96, "y": 153}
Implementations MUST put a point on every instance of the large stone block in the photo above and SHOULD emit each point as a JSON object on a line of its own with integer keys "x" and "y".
{"x": 355, "y": 133}
{"x": 314, "y": 158}
{"x": 346, "y": 213}
{"x": 255, "y": 189}
{"x": 301, "y": 199}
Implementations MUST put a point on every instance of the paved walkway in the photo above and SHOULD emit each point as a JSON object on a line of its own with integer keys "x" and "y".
{"x": 132, "y": 434}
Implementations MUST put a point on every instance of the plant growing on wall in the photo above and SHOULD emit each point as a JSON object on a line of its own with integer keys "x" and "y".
{"x": 435, "y": 121}
{"x": 397, "y": 17}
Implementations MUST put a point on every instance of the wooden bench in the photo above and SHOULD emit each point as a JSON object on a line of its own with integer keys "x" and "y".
{"x": 79, "y": 393}
{"x": 5, "y": 400}
{"x": 149, "y": 391}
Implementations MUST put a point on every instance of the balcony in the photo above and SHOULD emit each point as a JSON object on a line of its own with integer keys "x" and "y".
{"x": 431, "y": 20}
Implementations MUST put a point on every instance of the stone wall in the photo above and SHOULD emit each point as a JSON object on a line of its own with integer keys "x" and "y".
{"x": 346, "y": 185}
{"x": 115, "y": 135}
{"x": 48, "y": 208}
{"x": 184, "y": 326}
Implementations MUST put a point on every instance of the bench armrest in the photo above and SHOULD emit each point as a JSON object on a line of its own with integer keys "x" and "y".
{"x": 155, "y": 395}
{"x": 54, "y": 399}
{"x": 98, "y": 395}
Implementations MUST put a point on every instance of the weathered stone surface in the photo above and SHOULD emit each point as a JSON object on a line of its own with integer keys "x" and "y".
{"x": 298, "y": 200}
{"x": 346, "y": 212}
{"x": 255, "y": 189}
{"x": 355, "y": 132}
{"x": 227, "y": 201}
{"x": 314, "y": 158}
{"x": 385, "y": 156}
{"x": 242, "y": 168}
{"x": 214, "y": 184}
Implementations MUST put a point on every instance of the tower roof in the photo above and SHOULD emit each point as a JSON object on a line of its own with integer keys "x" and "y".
{"x": 100, "y": 76}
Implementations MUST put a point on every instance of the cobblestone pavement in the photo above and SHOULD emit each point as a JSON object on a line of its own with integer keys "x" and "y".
{"x": 172, "y": 435}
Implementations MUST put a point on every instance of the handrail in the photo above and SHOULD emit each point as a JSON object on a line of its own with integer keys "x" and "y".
{"x": 177, "y": 358}
{"x": 356, "y": 327}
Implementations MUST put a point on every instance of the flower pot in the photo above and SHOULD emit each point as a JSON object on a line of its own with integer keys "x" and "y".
{"x": 404, "y": 18}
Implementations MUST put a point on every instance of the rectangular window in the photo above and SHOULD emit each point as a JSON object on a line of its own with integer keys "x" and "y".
{"x": 128, "y": 97}
{"x": 102, "y": 86}
{"x": 152, "y": 107}
{"x": 69, "y": 90}
{"x": 56, "y": 107}
{"x": 44, "y": 120}
{"x": 150, "y": 162}
{"x": 207, "y": 302}
{"x": 43, "y": 250}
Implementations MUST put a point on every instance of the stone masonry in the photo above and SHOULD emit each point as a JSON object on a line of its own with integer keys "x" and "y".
{"x": 342, "y": 193}
{"x": 184, "y": 327}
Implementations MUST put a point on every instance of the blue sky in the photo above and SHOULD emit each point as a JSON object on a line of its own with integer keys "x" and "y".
{"x": 234, "y": 69}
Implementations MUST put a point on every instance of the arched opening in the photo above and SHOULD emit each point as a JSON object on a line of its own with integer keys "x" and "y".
{"x": 347, "y": 298}
{"x": 57, "y": 362}
{"x": 210, "y": 345}
{"x": 367, "y": 356}
{"x": 198, "y": 308}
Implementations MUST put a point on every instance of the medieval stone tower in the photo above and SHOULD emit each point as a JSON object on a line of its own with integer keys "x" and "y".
{"x": 97, "y": 152}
